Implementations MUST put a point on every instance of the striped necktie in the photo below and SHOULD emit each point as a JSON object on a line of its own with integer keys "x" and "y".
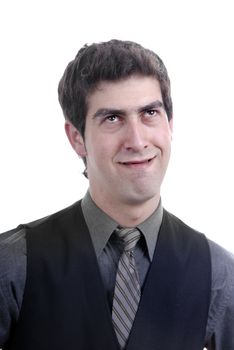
{"x": 127, "y": 287}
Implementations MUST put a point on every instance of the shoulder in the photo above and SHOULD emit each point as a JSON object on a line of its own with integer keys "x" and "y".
{"x": 12, "y": 250}
{"x": 12, "y": 278}
{"x": 222, "y": 261}
{"x": 177, "y": 222}
{"x": 183, "y": 230}
{"x": 12, "y": 259}
{"x": 221, "y": 313}
{"x": 13, "y": 245}
{"x": 60, "y": 216}
{"x": 222, "y": 264}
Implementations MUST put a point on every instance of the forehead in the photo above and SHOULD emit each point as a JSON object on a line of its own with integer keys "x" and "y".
{"x": 125, "y": 93}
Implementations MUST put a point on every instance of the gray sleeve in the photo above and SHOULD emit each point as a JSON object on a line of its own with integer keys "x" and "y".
{"x": 220, "y": 326}
{"x": 12, "y": 279}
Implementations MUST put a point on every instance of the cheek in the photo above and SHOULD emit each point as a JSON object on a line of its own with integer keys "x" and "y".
{"x": 162, "y": 140}
{"x": 103, "y": 146}
{"x": 98, "y": 155}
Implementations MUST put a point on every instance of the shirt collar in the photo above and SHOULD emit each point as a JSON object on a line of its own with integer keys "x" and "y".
{"x": 150, "y": 229}
{"x": 101, "y": 226}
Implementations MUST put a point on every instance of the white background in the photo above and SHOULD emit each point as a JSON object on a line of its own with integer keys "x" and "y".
{"x": 40, "y": 173}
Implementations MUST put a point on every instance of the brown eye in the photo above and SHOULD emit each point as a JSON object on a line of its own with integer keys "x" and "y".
{"x": 112, "y": 118}
{"x": 151, "y": 112}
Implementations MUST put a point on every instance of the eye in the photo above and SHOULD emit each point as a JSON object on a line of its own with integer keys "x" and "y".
{"x": 112, "y": 118}
{"x": 151, "y": 112}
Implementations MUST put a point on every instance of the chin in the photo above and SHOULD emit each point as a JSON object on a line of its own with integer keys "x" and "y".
{"x": 139, "y": 197}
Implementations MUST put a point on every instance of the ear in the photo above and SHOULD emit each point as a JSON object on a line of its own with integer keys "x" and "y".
{"x": 75, "y": 138}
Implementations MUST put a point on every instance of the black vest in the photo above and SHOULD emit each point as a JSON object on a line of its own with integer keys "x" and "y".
{"x": 65, "y": 305}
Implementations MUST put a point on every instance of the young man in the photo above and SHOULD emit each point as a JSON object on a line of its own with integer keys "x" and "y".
{"x": 116, "y": 270}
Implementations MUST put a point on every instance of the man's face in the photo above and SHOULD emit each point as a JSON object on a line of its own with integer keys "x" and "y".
{"x": 127, "y": 141}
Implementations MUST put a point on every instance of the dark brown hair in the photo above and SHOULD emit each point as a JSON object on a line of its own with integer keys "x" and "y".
{"x": 107, "y": 61}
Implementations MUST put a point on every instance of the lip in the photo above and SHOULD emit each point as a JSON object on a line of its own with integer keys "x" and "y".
{"x": 138, "y": 163}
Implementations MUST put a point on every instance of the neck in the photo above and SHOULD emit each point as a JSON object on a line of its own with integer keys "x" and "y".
{"x": 128, "y": 214}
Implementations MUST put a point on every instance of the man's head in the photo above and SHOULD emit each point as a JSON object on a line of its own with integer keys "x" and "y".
{"x": 108, "y": 61}
{"x": 117, "y": 104}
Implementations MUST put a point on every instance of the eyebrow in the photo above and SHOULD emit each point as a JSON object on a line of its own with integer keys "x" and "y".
{"x": 152, "y": 105}
{"x": 105, "y": 111}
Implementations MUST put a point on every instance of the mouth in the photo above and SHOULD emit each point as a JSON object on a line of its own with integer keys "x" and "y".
{"x": 138, "y": 163}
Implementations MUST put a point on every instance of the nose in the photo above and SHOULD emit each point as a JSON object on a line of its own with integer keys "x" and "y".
{"x": 135, "y": 136}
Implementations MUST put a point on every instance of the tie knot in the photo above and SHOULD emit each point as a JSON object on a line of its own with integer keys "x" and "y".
{"x": 129, "y": 237}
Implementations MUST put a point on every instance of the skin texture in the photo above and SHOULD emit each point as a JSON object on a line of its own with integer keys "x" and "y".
{"x": 127, "y": 145}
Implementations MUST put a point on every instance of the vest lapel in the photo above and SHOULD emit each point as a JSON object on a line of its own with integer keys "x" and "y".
{"x": 173, "y": 310}
{"x": 94, "y": 292}
{"x": 64, "y": 303}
